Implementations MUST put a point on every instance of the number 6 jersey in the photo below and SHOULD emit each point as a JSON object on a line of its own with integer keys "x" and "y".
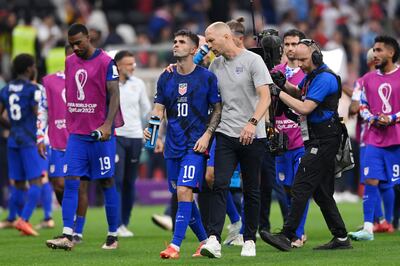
{"x": 187, "y": 99}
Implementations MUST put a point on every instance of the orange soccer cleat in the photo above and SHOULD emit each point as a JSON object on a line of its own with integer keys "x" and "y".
{"x": 197, "y": 253}
{"x": 25, "y": 227}
{"x": 384, "y": 227}
{"x": 169, "y": 253}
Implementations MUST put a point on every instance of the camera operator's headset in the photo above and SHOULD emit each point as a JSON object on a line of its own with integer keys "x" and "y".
{"x": 316, "y": 56}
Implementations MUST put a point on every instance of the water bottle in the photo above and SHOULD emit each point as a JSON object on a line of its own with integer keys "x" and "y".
{"x": 154, "y": 126}
{"x": 203, "y": 51}
{"x": 96, "y": 134}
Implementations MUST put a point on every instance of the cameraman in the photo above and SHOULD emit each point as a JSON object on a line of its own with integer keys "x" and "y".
{"x": 288, "y": 162}
{"x": 321, "y": 131}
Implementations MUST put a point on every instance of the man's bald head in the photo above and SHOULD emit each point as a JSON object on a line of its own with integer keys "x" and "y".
{"x": 219, "y": 28}
{"x": 219, "y": 38}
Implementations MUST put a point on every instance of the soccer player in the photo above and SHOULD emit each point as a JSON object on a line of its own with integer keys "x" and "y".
{"x": 20, "y": 98}
{"x": 135, "y": 104}
{"x": 186, "y": 95}
{"x": 380, "y": 107}
{"x": 288, "y": 163}
{"x": 92, "y": 97}
{"x": 52, "y": 111}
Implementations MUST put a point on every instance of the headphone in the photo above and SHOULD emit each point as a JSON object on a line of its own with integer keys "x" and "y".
{"x": 316, "y": 56}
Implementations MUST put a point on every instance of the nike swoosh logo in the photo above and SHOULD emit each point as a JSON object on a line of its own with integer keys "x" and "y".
{"x": 395, "y": 179}
{"x": 104, "y": 172}
{"x": 185, "y": 181}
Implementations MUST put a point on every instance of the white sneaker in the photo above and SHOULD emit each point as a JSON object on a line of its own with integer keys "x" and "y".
{"x": 238, "y": 241}
{"x": 212, "y": 248}
{"x": 163, "y": 221}
{"x": 248, "y": 249}
{"x": 122, "y": 231}
{"x": 233, "y": 232}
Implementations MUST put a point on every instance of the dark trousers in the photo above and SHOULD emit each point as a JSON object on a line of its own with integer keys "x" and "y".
{"x": 315, "y": 177}
{"x": 228, "y": 153}
{"x": 268, "y": 184}
{"x": 128, "y": 154}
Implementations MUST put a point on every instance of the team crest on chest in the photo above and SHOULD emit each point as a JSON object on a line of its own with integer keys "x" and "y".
{"x": 239, "y": 70}
{"x": 182, "y": 88}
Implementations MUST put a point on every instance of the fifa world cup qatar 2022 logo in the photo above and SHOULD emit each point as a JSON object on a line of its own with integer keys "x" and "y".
{"x": 384, "y": 91}
{"x": 80, "y": 79}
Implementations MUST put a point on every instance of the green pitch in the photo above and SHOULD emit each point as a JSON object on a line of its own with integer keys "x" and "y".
{"x": 149, "y": 240}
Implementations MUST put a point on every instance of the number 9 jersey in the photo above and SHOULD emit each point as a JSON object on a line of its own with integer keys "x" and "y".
{"x": 187, "y": 99}
{"x": 19, "y": 98}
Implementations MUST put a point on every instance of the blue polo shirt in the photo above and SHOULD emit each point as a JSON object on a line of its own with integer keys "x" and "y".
{"x": 322, "y": 86}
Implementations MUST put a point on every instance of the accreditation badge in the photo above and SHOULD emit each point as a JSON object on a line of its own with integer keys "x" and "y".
{"x": 304, "y": 127}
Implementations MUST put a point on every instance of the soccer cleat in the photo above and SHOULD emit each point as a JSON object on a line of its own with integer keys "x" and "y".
{"x": 212, "y": 248}
{"x": 25, "y": 227}
{"x": 197, "y": 252}
{"x": 299, "y": 242}
{"x": 383, "y": 227}
{"x": 163, "y": 221}
{"x": 169, "y": 253}
{"x": 111, "y": 243}
{"x": 6, "y": 224}
{"x": 233, "y": 232}
{"x": 45, "y": 224}
{"x": 238, "y": 241}
{"x": 361, "y": 235}
{"x": 248, "y": 249}
{"x": 279, "y": 240}
{"x": 76, "y": 239}
{"x": 122, "y": 231}
{"x": 60, "y": 242}
{"x": 335, "y": 243}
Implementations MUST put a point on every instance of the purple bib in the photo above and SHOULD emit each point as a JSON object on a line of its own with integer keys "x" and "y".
{"x": 383, "y": 96}
{"x": 86, "y": 93}
{"x": 55, "y": 92}
{"x": 284, "y": 124}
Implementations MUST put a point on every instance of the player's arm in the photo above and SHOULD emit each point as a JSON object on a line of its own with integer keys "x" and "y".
{"x": 42, "y": 122}
{"x": 113, "y": 107}
{"x": 3, "y": 121}
{"x": 203, "y": 142}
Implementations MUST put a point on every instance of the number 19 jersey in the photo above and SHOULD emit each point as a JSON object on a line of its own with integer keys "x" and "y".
{"x": 186, "y": 99}
{"x": 19, "y": 97}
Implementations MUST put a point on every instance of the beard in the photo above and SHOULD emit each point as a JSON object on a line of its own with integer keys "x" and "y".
{"x": 382, "y": 65}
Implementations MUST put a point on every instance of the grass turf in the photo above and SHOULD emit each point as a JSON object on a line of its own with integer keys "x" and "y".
{"x": 149, "y": 240}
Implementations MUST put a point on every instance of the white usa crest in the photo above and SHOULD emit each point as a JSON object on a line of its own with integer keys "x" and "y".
{"x": 366, "y": 170}
{"x": 182, "y": 89}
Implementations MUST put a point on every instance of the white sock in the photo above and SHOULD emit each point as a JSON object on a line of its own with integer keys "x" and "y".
{"x": 67, "y": 231}
{"x": 175, "y": 246}
{"x": 112, "y": 234}
{"x": 368, "y": 227}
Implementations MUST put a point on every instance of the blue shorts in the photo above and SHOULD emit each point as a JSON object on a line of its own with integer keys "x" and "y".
{"x": 187, "y": 171}
{"x": 286, "y": 166}
{"x": 382, "y": 164}
{"x": 235, "y": 180}
{"x": 56, "y": 163}
{"x": 85, "y": 157}
{"x": 25, "y": 163}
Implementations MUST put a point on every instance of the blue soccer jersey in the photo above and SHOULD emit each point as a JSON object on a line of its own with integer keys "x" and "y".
{"x": 19, "y": 98}
{"x": 186, "y": 99}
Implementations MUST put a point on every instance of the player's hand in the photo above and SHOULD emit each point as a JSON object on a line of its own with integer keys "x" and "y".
{"x": 159, "y": 148}
{"x": 383, "y": 120}
{"x": 105, "y": 130}
{"x": 247, "y": 135}
{"x": 202, "y": 143}
{"x": 146, "y": 134}
{"x": 42, "y": 150}
{"x": 170, "y": 68}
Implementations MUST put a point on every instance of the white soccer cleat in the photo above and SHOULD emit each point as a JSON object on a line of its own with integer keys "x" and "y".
{"x": 248, "y": 249}
{"x": 212, "y": 248}
{"x": 122, "y": 231}
{"x": 233, "y": 232}
{"x": 238, "y": 241}
{"x": 163, "y": 221}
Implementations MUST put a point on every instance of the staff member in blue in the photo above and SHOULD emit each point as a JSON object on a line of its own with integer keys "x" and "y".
{"x": 319, "y": 92}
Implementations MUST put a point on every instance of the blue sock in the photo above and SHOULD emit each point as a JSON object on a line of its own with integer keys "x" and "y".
{"x": 47, "y": 200}
{"x": 369, "y": 201}
{"x": 196, "y": 225}
{"x": 378, "y": 213}
{"x": 22, "y": 198}
{"x": 111, "y": 200}
{"x": 70, "y": 201}
{"x": 13, "y": 203}
{"x": 79, "y": 223}
{"x": 300, "y": 228}
{"x": 33, "y": 199}
{"x": 231, "y": 209}
{"x": 388, "y": 203}
{"x": 183, "y": 216}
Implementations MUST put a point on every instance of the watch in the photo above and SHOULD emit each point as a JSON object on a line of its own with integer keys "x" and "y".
{"x": 253, "y": 121}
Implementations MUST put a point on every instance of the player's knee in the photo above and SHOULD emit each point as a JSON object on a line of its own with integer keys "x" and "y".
{"x": 36, "y": 181}
{"x": 371, "y": 182}
{"x": 106, "y": 182}
{"x": 20, "y": 184}
{"x": 184, "y": 193}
